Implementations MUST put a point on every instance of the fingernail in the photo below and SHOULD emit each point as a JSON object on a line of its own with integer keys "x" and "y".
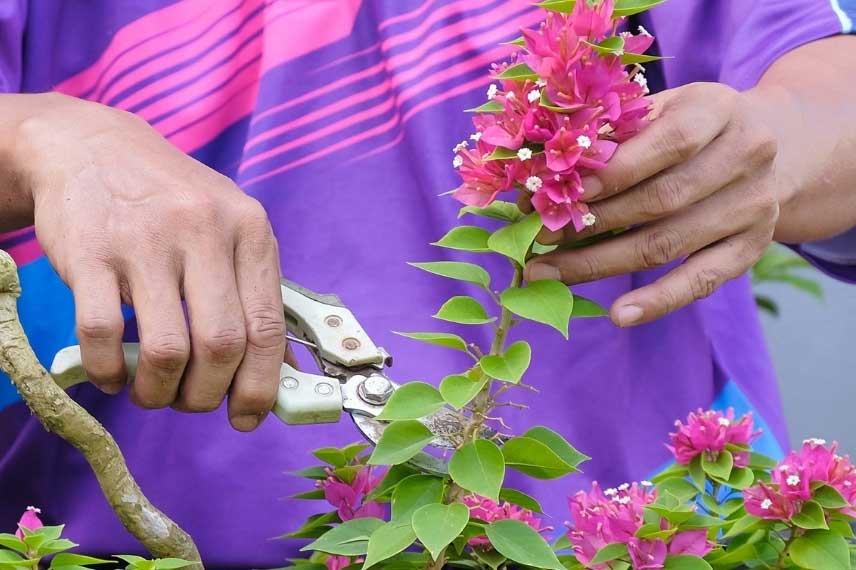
{"x": 248, "y": 422}
{"x": 111, "y": 389}
{"x": 591, "y": 187}
{"x": 629, "y": 315}
{"x": 538, "y": 271}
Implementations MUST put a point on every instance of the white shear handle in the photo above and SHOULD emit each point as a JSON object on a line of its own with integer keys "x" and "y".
{"x": 301, "y": 398}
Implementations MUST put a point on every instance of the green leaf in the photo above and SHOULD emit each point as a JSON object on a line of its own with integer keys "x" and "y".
{"x": 65, "y": 559}
{"x": 315, "y": 526}
{"x": 630, "y": 7}
{"x": 459, "y": 270}
{"x": 685, "y": 562}
{"x": 519, "y": 72}
{"x": 678, "y": 487}
{"x": 520, "y": 499}
{"x": 510, "y": 365}
{"x": 308, "y": 495}
{"x": 821, "y": 550}
{"x": 586, "y": 308}
{"x": 610, "y": 46}
{"x": 465, "y": 238}
{"x": 351, "y": 451}
{"x": 399, "y": 442}
{"x": 489, "y": 557}
{"x": 741, "y": 478}
{"x": 501, "y": 153}
{"x": 53, "y": 546}
{"x": 331, "y": 455}
{"x": 746, "y": 523}
{"x": 558, "y": 444}
{"x": 810, "y": 517}
{"x": 412, "y": 401}
{"x": 521, "y": 543}
{"x": 563, "y": 6}
{"x": 436, "y": 526}
{"x": 634, "y": 58}
{"x": 447, "y": 340}
{"x": 387, "y": 541}
{"x": 721, "y": 468}
{"x": 13, "y": 542}
{"x": 545, "y": 301}
{"x": 311, "y": 473}
{"x": 130, "y": 558}
{"x": 350, "y": 538}
{"x": 760, "y": 461}
{"x": 489, "y": 107}
{"x": 513, "y": 240}
{"x": 610, "y": 552}
{"x": 394, "y": 475}
{"x": 479, "y": 467}
{"x": 458, "y": 390}
{"x": 534, "y": 458}
{"x": 414, "y": 493}
{"x": 13, "y": 561}
{"x": 497, "y": 210}
{"x": 829, "y": 498}
{"x": 465, "y": 311}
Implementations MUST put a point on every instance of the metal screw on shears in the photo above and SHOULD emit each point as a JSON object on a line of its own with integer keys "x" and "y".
{"x": 375, "y": 390}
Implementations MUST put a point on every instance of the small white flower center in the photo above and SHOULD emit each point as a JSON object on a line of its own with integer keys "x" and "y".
{"x": 848, "y": 483}
{"x": 724, "y": 422}
{"x": 643, "y": 31}
{"x": 814, "y": 442}
{"x": 510, "y": 96}
{"x": 534, "y": 95}
{"x": 647, "y": 484}
{"x": 533, "y": 183}
{"x": 641, "y": 80}
{"x": 491, "y": 91}
{"x": 589, "y": 219}
{"x": 766, "y": 504}
{"x": 457, "y": 162}
{"x": 461, "y": 146}
{"x": 610, "y": 492}
{"x": 476, "y": 136}
{"x": 624, "y": 500}
{"x": 540, "y": 83}
{"x": 624, "y": 486}
{"x": 793, "y": 480}
{"x": 584, "y": 141}
{"x": 524, "y": 153}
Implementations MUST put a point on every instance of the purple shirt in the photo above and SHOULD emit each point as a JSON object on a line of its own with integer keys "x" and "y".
{"x": 340, "y": 116}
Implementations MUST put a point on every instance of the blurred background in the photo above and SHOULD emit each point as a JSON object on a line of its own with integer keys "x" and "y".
{"x": 812, "y": 345}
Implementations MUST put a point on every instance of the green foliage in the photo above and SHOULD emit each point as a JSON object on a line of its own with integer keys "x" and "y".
{"x": 465, "y": 311}
{"x": 400, "y": 441}
{"x": 447, "y": 340}
{"x": 510, "y": 365}
{"x": 497, "y": 210}
{"x": 436, "y": 526}
{"x": 519, "y": 72}
{"x": 388, "y": 540}
{"x": 479, "y": 467}
{"x": 515, "y": 239}
{"x": 521, "y": 543}
{"x": 412, "y": 401}
{"x": 778, "y": 265}
{"x": 547, "y": 301}
{"x": 821, "y": 550}
{"x": 350, "y": 538}
{"x": 459, "y": 270}
{"x": 465, "y": 238}
{"x": 458, "y": 389}
{"x": 413, "y": 493}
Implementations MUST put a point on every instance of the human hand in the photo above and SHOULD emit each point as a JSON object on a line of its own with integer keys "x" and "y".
{"x": 699, "y": 182}
{"x": 124, "y": 216}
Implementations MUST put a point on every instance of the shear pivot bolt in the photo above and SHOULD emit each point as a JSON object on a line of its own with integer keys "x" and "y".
{"x": 351, "y": 343}
{"x": 375, "y": 390}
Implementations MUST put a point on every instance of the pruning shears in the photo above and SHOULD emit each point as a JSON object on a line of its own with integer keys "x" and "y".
{"x": 352, "y": 378}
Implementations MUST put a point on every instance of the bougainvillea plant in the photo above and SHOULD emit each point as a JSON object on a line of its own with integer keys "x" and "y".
{"x": 34, "y": 546}
{"x": 556, "y": 112}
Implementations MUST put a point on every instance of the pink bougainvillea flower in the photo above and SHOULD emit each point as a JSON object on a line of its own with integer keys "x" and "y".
{"x": 29, "y": 520}
{"x": 647, "y": 554}
{"x": 692, "y": 543}
{"x": 592, "y": 20}
{"x": 764, "y": 501}
{"x": 483, "y": 179}
{"x": 557, "y": 200}
{"x": 490, "y": 511}
{"x": 339, "y": 562}
{"x": 710, "y": 432}
{"x": 348, "y": 498}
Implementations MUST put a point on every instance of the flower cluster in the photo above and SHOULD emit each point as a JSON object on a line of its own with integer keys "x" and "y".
{"x": 712, "y": 432}
{"x": 615, "y": 515}
{"x": 562, "y": 106}
{"x": 797, "y": 479}
{"x": 489, "y": 511}
{"x": 348, "y": 497}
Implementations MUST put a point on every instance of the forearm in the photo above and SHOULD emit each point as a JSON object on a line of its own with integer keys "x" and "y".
{"x": 16, "y": 201}
{"x": 808, "y": 98}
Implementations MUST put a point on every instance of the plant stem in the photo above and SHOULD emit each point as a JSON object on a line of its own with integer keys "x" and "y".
{"x": 784, "y": 553}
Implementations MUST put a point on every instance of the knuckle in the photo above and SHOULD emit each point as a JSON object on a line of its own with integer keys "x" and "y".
{"x": 664, "y": 195}
{"x": 167, "y": 352}
{"x": 225, "y": 345}
{"x": 679, "y": 141}
{"x": 255, "y": 234}
{"x": 704, "y": 282}
{"x": 96, "y": 327}
{"x": 200, "y": 402}
{"x": 254, "y": 399}
{"x": 266, "y": 326}
{"x": 659, "y": 247}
